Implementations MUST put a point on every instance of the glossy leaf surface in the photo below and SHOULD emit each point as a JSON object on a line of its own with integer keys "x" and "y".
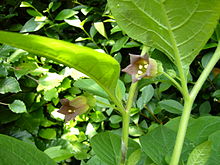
{"x": 180, "y": 29}
{"x": 98, "y": 66}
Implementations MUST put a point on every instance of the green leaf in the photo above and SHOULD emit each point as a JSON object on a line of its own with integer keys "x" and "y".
{"x": 26, "y": 4}
{"x": 202, "y": 127}
{"x": 173, "y": 124}
{"x": 80, "y": 150}
{"x": 31, "y": 121}
{"x": 65, "y": 13}
{"x": 50, "y": 94}
{"x": 145, "y": 160}
{"x": 95, "y": 161}
{"x": 74, "y": 22}
{"x": 90, "y": 86}
{"x": 171, "y": 106}
{"x": 17, "y": 106}
{"x": 146, "y": 96}
{"x": 102, "y": 102}
{"x": 114, "y": 119}
{"x": 164, "y": 86}
{"x": 164, "y": 139}
{"x": 214, "y": 158}
{"x": 134, "y": 157}
{"x": 8, "y": 116}
{"x": 206, "y": 58}
{"x": 200, "y": 154}
{"x": 205, "y": 108}
{"x": 119, "y": 44}
{"x": 50, "y": 81}
{"x": 120, "y": 90}
{"x": 100, "y": 28}
{"x": 58, "y": 154}
{"x": 14, "y": 151}
{"x": 9, "y": 84}
{"x": 3, "y": 71}
{"x": 16, "y": 55}
{"x": 99, "y": 66}
{"x": 107, "y": 147}
{"x": 33, "y": 12}
{"x": 32, "y": 26}
{"x": 177, "y": 28}
{"x": 48, "y": 133}
{"x": 216, "y": 94}
{"x": 24, "y": 68}
{"x": 97, "y": 117}
{"x": 135, "y": 130}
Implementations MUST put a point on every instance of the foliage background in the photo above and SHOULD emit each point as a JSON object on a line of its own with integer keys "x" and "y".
{"x": 31, "y": 87}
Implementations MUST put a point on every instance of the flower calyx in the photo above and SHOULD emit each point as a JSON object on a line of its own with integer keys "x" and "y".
{"x": 71, "y": 109}
{"x": 141, "y": 67}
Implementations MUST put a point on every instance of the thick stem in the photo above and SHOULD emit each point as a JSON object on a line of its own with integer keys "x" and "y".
{"x": 124, "y": 140}
{"x": 181, "y": 131}
{"x": 125, "y": 123}
{"x": 189, "y": 100}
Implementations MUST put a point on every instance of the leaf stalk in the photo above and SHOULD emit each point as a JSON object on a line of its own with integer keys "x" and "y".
{"x": 125, "y": 123}
{"x": 189, "y": 100}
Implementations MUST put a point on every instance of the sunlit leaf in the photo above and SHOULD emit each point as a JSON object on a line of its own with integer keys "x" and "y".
{"x": 100, "y": 28}
{"x": 32, "y": 26}
{"x": 17, "y": 106}
{"x": 9, "y": 84}
{"x": 177, "y": 28}
{"x": 98, "y": 66}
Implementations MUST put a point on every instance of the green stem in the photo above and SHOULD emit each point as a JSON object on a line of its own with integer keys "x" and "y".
{"x": 181, "y": 131}
{"x": 3, "y": 103}
{"x": 94, "y": 40}
{"x": 173, "y": 81}
{"x": 215, "y": 58}
{"x": 189, "y": 100}
{"x": 125, "y": 123}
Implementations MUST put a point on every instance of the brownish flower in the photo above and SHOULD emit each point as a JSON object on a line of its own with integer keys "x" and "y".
{"x": 141, "y": 67}
{"x": 73, "y": 108}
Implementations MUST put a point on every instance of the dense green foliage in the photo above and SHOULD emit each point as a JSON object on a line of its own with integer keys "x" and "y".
{"x": 31, "y": 87}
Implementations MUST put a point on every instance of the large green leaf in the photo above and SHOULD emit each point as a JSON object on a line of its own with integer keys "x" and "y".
{"x": 16, "y": 152}
{"x": 214, "y": 158}
{"x": 102, "y": 68}
{"x": 200, "y": 154}
{"x": 107, "y": 147}
{"x": 180, "y": 29}
{"x": 158, "y": 145}
{"x": 201, "y": 128}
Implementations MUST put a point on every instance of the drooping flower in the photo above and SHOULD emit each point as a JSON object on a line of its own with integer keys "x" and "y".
{"x": 73, "y": 108}
{"x": 141, "y": 67}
